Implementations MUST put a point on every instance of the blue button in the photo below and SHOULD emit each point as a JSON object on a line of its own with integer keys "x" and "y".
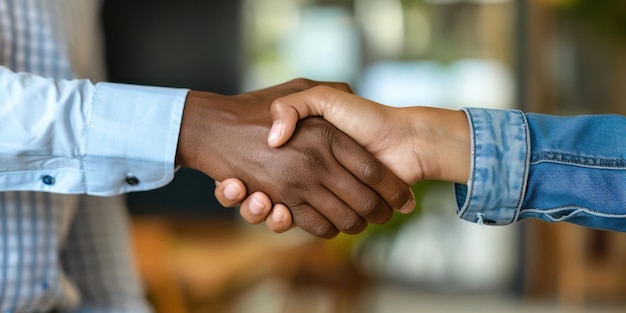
{"x": 48, "y": 180}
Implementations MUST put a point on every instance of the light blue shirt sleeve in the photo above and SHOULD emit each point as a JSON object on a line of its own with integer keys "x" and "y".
{"x": 74, "y": 137}
{"x": 546, "y": 167}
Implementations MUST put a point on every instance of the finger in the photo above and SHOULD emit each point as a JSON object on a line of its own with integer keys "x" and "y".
{"x": 284, "y": 122}
{"x": 230, "y": 192}
{"x": 336, "y": 106}
{"x": 357, "y": 196}
{"x": 311, "y": 221}
{"x": 371, "y": 172}
{"x": 256, "y": 208}
{"x": 344, "y": 217}
{"x": 286, "y": 111}
{"x": 279, "y": 219}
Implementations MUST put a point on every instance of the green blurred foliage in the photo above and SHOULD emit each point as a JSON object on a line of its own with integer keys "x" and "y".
{"x": 343, "y": 245}
{"x": 344, "y": 241}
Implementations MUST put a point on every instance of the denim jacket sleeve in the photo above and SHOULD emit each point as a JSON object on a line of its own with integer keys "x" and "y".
{"x": 547, "y": 167}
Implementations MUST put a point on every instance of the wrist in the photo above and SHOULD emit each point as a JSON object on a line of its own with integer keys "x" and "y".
{"x": 217, "y": 129}
{"x": 189, "y": 139}
{"x": 443, "y": 145}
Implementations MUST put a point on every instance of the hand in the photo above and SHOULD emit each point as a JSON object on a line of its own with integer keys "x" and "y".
{"x": 328, "y": 181}
{"x": 416, "y": 143}
{"x": 256, "y": 208}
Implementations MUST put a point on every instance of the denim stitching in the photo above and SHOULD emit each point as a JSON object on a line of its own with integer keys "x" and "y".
{"x": 568, "y": 158}
{"x": 470, "y": 183}
{"x": 575, "y": 209}
{"x": 520, "y": 201}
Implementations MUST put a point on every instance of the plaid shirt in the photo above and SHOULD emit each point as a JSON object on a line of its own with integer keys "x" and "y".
{"x": 61, "y": 252}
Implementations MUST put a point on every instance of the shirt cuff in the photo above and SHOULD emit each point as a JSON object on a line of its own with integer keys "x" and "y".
{"x": 132, "y": 138}
{"x": 499, "y": 167}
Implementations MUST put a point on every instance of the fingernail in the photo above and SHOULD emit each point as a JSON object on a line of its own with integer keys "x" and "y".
{"x": 256, "y": 207}
{"x": 231, "y": 193}
{"x": 275, "y": 132}
{"x": 277, "y": 216}
{"x": 409, "y": 206}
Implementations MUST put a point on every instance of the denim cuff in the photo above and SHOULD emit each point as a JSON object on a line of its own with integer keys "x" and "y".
{"x": 500, "y": 145}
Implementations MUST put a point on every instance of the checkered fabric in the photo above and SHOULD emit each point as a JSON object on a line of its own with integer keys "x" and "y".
{"x": 68, "y": 253}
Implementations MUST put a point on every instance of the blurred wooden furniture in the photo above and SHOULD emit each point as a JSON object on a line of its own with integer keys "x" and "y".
{"x": 205, "y": 267}
{"x": 151, "y": 241}
{"x": 575, "y": 265}
{"x": 188, "y": 265}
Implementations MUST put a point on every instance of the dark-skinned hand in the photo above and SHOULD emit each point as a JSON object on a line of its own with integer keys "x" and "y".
{"x": 328, "y": 181}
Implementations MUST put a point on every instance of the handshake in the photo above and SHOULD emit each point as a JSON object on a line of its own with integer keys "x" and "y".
{"x": 353, "y": 166}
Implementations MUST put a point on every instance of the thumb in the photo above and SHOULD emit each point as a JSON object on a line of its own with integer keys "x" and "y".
{"x": 287, "y": 110}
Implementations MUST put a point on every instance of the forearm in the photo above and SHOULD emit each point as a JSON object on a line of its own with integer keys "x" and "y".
{"x": 85, "y": 138}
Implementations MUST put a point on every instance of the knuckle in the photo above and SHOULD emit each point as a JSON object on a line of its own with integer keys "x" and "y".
{"x": 323, "y": 89}
{"x": 306, "y": 169}
{"x": 374, "y": 210}
{"x": 298, "y": 178}
{"x": 328, "y": 232}
{"x": 370, "y": 204}
{"x": 294, "y": 180}
{"x": 324, "y": 131}
{"x": 313, "y": 159}
{"x": 343, "y": 86}
{"x": 325, "y": 230}
{"x": 302, "y": 83}
{"x": 352, "y": 225}
{"x": 279, "y": 105}
{"x": 398, "y": 195}
{"x": 370, "y": 171}
{"x": 277, "y": 227}
{"x": 316, "y": 226}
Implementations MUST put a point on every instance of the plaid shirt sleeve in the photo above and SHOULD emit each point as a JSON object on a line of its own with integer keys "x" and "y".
{"x": 94, "y": 272}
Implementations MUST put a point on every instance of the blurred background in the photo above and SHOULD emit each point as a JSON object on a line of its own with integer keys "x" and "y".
{"x": 549, "y": 56}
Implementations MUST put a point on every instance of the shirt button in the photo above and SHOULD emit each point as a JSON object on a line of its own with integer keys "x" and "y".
{"x": 132, "y": 180}
{"x": 48, "y": 180}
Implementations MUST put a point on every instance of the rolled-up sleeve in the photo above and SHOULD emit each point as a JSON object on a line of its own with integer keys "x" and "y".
{"x": 74, "y": 137}
{"x": 499, "y": 167}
